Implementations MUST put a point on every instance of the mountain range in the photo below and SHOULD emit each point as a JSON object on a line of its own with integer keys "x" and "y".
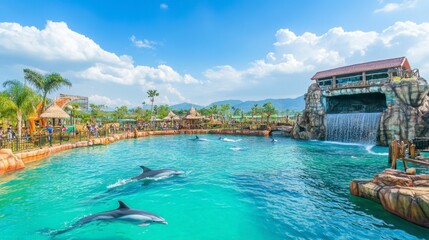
{"x": 282, "y": 104}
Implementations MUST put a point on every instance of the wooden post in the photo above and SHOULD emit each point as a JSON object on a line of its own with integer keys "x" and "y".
{"x": 394, "y": 147}
{"x": 402, "y": 149}
{"x": 412, "y": 151}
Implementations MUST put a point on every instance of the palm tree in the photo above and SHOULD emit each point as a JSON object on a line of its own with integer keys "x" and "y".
{"x": 254, "y": 110}
{"x": 20, "y": 99}
{"x": 143, "y": 103}
{"x": 214, "y": 109}
{"x": 269, "y": 109}
{"x": 45, "y": 84}
{"x": 152, "y": 94}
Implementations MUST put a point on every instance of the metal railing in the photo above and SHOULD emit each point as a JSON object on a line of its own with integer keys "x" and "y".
{"x": 24, "y": 143}
{"x": 59, "y": 137}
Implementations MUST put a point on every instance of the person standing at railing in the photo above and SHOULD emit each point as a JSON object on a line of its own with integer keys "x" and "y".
{"x": 50, "y": 130}
{"x": 26, "y": 135}
{"x": 9, "y": 133}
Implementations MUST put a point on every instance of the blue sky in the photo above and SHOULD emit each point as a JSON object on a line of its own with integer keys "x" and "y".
{"x": 204, "y": 51}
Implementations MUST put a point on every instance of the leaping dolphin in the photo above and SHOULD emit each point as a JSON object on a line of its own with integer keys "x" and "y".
{"x": 123, "y": 213}
{"x": 156, "y": 174}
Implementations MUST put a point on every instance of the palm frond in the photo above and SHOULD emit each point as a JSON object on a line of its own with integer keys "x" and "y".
{"x": 34, "y": 78}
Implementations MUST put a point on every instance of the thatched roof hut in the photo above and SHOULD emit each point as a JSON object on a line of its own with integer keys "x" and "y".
{"x": 171, "y": 117}
{"x": 193, "y": 115}
{"x": 54, "y": 111}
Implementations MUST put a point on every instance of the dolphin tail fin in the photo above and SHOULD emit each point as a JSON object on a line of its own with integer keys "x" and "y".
{"x": 122, "y": 205}
{"x": 145, "y": 169}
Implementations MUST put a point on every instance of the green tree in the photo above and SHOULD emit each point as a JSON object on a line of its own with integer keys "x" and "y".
{"x": 181, "y": 112}
{"x": 138, "y": 112}
{"x": 225, "y": 109}
{"x": 214, "y": 109}
{"x": 20, "y": 99}
{"x": 205, "y": 111}
{"x": 45, "y": 84}
{"x": 96, "y": 110}
{"x": 269, "y": 110}
{"x": 121, "y": 112}
{"x": 163, "y": 111}
{"x": 237, "y": 111}
{"x": 6, "y": 107}
{"x": 152, "y": 94}
{"x": 254, "y": 110}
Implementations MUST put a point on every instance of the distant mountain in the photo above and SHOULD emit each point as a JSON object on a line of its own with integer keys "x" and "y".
{"x": 296, "y": 104}
{"x": 230, "y": 102}
{"x": 185, "y": 106}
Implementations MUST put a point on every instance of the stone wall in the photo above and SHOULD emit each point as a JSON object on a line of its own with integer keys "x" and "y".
{"x": 11, "y": 162}
{"x": 406, "y": 116}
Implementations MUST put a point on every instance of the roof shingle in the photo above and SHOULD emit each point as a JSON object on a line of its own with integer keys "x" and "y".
{"x": 363, "y": 67}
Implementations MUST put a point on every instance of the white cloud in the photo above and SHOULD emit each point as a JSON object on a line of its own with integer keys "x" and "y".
{"x": 55, "y": 42}
{"x": 396, "y": 6}
{"x": 296, "y": 58}
{"x": 97, "y": 99}
{"x": 81, "y": 57}
{"x": 142, "y": 43}
{"x": 175, "y": 92}
{"x": 163, "y": 6}
{"x": 296, "y": 54}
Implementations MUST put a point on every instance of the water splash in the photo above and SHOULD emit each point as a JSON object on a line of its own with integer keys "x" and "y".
{"x": 369, "y": 150}
{"x": 230, "y": 140}
{"x": 236, "y": 149}
{"x": 353, "y": 127}
{"x": 120, "y": 182}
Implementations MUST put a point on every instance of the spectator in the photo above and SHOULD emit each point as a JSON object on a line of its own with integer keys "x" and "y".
{"x": 9, "y": 133}
{"x": 50, "y": 130}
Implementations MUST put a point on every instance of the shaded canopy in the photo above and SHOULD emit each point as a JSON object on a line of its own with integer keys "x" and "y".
{"x": 171, "y": 116}
{"x": 193, "y": 114}
{"x": 54, "y": 111}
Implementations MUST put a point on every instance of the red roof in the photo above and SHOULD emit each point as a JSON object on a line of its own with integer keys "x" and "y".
{"x": 363, "y": 67}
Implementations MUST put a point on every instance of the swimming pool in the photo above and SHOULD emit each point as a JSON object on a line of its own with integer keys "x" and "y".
{"x": 247, "y": 188}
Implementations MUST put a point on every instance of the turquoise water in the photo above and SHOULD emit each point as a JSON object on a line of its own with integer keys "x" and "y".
{"x": 250, "y": 189}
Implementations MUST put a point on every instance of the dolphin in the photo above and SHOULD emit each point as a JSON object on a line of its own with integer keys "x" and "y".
{"x": 123, "y": 214}
{"x": 156, "y": 174}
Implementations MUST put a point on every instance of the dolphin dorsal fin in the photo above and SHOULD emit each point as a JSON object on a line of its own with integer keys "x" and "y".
{"x": 122, "y": 205}
{"x": 145, "y": 169}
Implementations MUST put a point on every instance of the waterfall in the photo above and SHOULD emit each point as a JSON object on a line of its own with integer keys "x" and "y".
{"x": 353, "y": 127}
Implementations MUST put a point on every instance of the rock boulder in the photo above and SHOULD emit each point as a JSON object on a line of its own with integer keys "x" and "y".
{"x": 402, "y": 194}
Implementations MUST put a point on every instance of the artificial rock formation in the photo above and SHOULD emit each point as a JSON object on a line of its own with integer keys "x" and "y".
{"x": 311, "y": 125}
{"x": 9, "y": 162}
{"x": 402, "y": 194}
{"x": 406, "y": 115}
